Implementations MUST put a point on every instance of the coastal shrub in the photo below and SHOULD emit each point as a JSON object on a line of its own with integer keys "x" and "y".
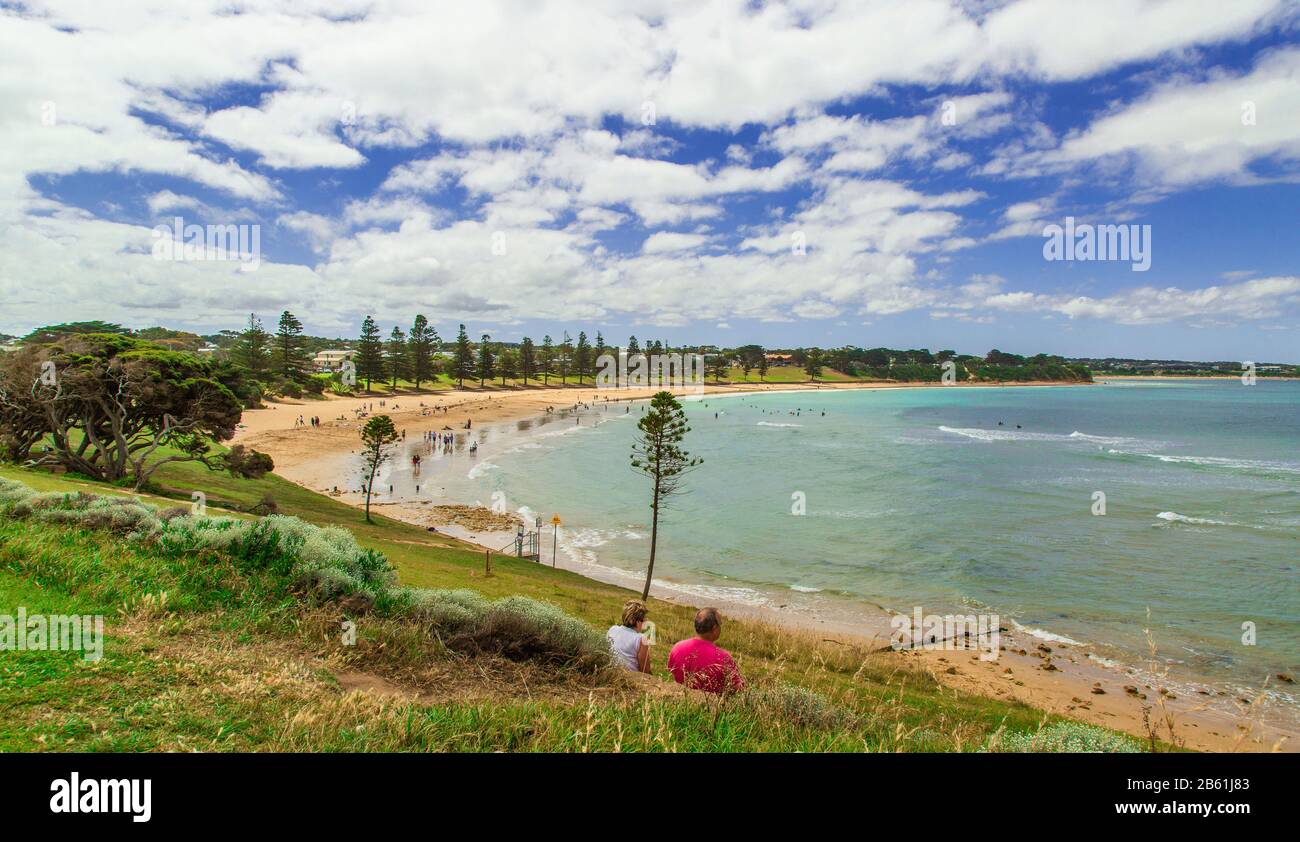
{"x": 326, "y": 560}
{"x": 520, "y": 629}
{"x": 797, "y": 706}
{"x": 513, "y": 627}
{"x": 1066, "y": 738}
{"x": 288, "y": 389}
{"x": 254, "y": 544}
{"x": 326, "y": 563}
{"x": 241, "y": 461}
{"x": 449, "y": 612}
{"x": 120, "y": 515}
{"x": 12, "y": 493}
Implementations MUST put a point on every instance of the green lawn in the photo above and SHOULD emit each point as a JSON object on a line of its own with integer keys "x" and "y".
{"x": 791, "y": 374}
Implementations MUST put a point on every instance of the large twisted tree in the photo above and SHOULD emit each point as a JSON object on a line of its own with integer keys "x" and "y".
{"x": 113, "y": 407}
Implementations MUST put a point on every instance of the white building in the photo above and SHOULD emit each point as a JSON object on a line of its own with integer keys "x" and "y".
{"x": 331, "y": 361}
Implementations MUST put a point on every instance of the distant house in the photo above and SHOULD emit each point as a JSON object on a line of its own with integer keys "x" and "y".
{"x": 779, "y": 359}
{"x": 331, "y": 361}
{"x": 208, "y": 348}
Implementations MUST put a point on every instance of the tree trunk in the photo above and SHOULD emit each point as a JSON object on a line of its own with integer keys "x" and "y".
{"x": 370, "y": 489}
{"x": 654, "y": 541}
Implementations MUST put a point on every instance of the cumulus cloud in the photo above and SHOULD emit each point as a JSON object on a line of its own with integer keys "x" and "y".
{"x": 495, "y": 161}
{"x": 669, "y": 241}
{"x": 1262, "y": 298}
{"x": 1186, "y": 132}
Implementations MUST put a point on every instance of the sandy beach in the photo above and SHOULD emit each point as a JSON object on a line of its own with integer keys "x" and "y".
{"x": 294, "y": 448}
{"x": 1050, "y": 675}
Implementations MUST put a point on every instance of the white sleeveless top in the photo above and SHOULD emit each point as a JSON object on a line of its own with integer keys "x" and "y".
{"x": 625, "y": 643}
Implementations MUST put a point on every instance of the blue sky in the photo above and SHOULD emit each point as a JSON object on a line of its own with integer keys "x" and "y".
{"x": 873, "y": 173}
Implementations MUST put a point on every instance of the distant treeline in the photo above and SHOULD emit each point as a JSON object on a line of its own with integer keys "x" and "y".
{"x": 920, "y": 364}
{"x": 1185, "y": 368}
{"x": 284, "y": 362}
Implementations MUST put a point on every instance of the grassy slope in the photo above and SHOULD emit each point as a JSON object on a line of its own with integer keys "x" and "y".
{"x": 148, "y": 692}
{"x": 793, "y": 374}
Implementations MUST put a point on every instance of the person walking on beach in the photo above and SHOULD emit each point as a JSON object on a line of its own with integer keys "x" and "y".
{"x": 626, "y": 641}
{"x": 699, "y": 663}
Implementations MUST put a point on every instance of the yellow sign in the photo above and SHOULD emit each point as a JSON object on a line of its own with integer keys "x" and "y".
{"x": 555, "y": 521}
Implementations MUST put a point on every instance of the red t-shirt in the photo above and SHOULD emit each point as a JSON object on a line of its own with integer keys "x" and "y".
{"x": 702, "y": 665}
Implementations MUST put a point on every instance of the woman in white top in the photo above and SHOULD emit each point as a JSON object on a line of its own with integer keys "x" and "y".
{"x": 626, "y": 641}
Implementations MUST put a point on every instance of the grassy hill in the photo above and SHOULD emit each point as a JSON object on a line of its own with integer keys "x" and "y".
{"x": 237, "y": 656}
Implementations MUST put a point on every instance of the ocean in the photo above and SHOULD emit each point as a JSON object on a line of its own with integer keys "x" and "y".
{"x": 973, "y": 499}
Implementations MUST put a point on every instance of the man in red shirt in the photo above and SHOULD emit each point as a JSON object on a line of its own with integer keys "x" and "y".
{"x": 701, "y": 664}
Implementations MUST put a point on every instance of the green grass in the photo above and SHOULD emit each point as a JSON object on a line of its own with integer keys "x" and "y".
{"x": 791, "y": 374}
{"x": 232, "y": 661}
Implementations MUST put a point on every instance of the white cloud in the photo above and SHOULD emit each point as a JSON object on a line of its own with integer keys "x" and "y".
{"x": 290, "y": 130}
{"x": 1062, "y": 39}
{"x": 668, "y": 241}
{"x": 1188, "y": 132}
{"x": 514, "y": 101}
{"x": 165, "y": 200}
{"x": 319, "y": 230}
{"x": 1254, "y": 300}
{"x": 1024, "y": 219}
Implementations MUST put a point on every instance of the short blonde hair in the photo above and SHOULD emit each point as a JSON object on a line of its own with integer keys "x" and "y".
{"x": 634, "y": 611}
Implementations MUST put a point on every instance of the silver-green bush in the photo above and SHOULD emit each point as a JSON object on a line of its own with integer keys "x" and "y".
{"x": 326, "y": 560}
{"x": 797, "y": 706}
{"x": 1067, "y": 738}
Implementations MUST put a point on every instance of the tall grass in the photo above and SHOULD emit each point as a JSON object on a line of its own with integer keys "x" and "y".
{"x": 241, "y": 613}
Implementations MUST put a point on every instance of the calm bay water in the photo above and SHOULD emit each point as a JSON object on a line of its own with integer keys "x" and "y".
{"x": 921, "y": 497}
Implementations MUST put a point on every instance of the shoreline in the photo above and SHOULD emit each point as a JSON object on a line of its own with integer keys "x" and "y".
{"x": 1060, "y": 680}
{"x": 1258, "y": 377}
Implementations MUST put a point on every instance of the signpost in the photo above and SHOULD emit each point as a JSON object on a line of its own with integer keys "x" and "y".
{"x": 555, "y": 531}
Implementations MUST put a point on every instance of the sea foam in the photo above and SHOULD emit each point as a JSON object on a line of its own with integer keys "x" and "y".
{"x": 1174, "y": 517}
{"x": 1042, "y": 634}
{"x": 982, "y": 434}
{"x": 1217, "y": 462}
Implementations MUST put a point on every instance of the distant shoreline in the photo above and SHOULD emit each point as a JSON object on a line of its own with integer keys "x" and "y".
{"x": 1258, "y": 377}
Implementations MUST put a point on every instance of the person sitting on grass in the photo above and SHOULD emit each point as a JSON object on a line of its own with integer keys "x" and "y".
{"x": 626, "y": 641}
{"x": 699, "y": 663}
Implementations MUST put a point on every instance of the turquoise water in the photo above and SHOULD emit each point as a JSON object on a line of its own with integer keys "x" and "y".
{"x": 920, "y": 497}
